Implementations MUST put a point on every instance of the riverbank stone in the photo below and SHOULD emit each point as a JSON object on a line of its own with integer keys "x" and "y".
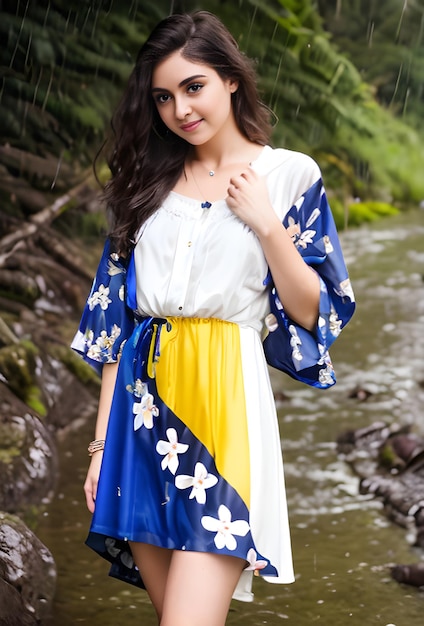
{"x": 27, "y": 574}
{"x": 12, "y": 610}
{"x": 389, "y": 461}
{"x": 28, "y": 456}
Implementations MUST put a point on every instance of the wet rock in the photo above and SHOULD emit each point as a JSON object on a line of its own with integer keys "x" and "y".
{"x": 26, "y": 566}
{"x": 28, "y": 457}
{"x": 19, "y": 285}
{"x": 360, "y": 393}
{"x": 390, "y": 463}
{"x": 12, "y": 609}
{"x": 280, "y": 398}
{"x": 18, "y": 365}
{"x": 409, "y": 574}
{"x": 369, "y": 438}
{"x": 401, "y": 490}
{"x": 400, "y": 450}
{"x": 419, "y": 537}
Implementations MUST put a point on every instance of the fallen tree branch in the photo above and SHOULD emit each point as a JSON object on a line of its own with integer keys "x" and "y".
{"x": 13, "y": 241}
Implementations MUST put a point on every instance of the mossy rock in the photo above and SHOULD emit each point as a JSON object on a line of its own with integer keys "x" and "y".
{"x": 18, "y": 366}
{"x": 77, "y": 366}
{"x": 12, "y": 441}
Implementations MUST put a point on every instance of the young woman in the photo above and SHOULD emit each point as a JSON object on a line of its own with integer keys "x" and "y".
{"x": 222, "y": 254}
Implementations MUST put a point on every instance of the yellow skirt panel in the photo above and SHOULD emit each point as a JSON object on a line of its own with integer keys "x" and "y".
{"x": 199, "y": 377}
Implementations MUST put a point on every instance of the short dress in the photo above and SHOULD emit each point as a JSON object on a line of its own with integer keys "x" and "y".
{"x": 192, "y": 459}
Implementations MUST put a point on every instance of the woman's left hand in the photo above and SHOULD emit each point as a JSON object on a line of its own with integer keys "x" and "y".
{"x": 297, "y": 284}
{"x": 248, "y": 198}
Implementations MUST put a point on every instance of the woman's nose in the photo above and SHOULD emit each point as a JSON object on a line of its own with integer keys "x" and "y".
{"x": 182, "y": 108}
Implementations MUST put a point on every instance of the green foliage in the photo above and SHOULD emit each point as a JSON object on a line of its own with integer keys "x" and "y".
{"x": 88, "y": 225}
{"x": 385, "y": 41}
{"x": 65, "y": 64}
{"x": 325, "y": 107}
{"x": 359, "y": 212}
{"x": 388, "y": 163}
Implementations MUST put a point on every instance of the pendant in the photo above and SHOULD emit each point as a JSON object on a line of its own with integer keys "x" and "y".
{"x": 206, "y": 205}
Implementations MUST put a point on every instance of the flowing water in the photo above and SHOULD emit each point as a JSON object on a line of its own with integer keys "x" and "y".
{"x": 343, "y": 544}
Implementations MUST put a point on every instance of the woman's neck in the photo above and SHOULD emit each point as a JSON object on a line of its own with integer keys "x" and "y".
{"x": 218, "y": 156}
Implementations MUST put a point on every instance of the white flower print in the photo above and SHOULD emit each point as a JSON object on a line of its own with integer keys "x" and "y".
{"x": 145, "y": 411}
{"x": 112, "y": 269}
{"x": 110, "y": 545}
{"x": 121, "y": 293}
{"x": 138, "y": 388}
{"x": 171, "y": 449}
{"x": 225, "y": 529}
{"x": 293, "y": 229}
{"x": 325, "y": 375}
{"x": 335, "y": 324}
{"x": 328, "y": 246}
{"x": 306, "y": 238}
{"x": 277, "y": 299}
{"x": 254, "y": 564}
{"x": 201, "y": 481}
{"x": 295, "y": 342}
{"x": 115, "y": 552}
{"x": 101, "y": 350}
{"x": 271, "y": 322}
{"x": 299, "y": 203}
{"x": 127, "y": 560}
{"x": 300, "y": 239}
{"x": 100, "y": 297}
{"x": 313, "y": 217}
{"x": 324, "y": 354}
{"x": 346, "y": 290}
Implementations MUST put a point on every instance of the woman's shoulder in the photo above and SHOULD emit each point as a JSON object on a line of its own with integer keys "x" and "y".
{"x": 289, "y": 175}
{"x": 286, "y": 160}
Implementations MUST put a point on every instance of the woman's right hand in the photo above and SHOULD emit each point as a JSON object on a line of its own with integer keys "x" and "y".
{"x": 90, "y": 485}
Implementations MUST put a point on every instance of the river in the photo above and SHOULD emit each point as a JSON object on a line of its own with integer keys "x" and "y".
{"x": 343, "y": 544}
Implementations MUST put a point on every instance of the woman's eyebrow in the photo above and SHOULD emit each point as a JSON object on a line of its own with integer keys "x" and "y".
{"x": 182, "y": 83}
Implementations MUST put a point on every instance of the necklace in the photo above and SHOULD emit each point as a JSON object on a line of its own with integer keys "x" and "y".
{"x": 206, "y": 204}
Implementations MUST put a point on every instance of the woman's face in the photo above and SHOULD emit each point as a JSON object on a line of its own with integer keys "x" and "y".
{"x": 193, "y": 101}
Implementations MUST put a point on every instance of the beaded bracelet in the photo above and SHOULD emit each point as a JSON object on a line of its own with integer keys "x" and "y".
{"x": 95, "y": 446}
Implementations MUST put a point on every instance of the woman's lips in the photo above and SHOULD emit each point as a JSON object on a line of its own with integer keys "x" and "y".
{"x": 188, "y": 128}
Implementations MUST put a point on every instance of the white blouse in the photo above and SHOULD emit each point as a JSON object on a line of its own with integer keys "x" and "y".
{"x": 196, "y": 262}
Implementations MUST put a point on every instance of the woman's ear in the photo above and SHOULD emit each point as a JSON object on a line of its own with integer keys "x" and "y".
{"x": 234, "y": 84}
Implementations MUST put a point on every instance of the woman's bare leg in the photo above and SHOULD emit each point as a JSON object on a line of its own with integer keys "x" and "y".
{"x": 153, "y": 563}
{"x": 199, "y": 588}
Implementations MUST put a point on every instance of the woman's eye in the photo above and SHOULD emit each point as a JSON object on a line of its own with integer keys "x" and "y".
{"x": 194, "y": 88}
{"x": 162, "y": 98}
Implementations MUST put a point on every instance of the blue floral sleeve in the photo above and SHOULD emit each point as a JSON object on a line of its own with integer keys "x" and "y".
{"x": 107, "y": 321}
{"x": 288, "y": 346}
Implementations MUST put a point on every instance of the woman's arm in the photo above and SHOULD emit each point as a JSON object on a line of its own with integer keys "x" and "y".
{"x": 297, "y": 284}
{"x": 105, "y": 401}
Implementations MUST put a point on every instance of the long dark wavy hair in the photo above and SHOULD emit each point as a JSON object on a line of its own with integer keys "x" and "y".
{"x": 146, "y": 159}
